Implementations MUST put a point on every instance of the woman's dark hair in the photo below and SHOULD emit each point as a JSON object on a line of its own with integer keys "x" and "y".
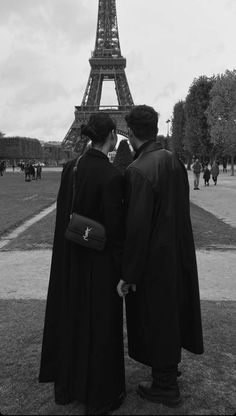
{"x": 143, "y": 120}
{"x": 98, "y": 127}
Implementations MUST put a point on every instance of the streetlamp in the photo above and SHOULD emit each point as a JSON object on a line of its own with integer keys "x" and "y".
{"x": 168, "y": 127}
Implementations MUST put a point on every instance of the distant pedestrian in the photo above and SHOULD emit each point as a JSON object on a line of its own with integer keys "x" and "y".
{"x": 206, "y": 175}
{"x": 38, "y": 171}
{"x": 27, "y": 173}
{"x": 13, "y": 167}
{"x": 32, "y": 171}
{"x": 2, "y": 168}
{"x": 215, "y": 172}
{"x": 123, "y": 156}
{"x": 197, "y": 167}
{"x": 224, "y": 166}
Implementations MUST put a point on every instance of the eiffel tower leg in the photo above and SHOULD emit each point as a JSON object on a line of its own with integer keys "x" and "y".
{"x": 74, "y": 140}
{"x": 93, "y": 92}
{"x": 122, "y": 89}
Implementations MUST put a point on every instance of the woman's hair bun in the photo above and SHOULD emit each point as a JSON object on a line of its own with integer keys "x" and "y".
{"x": 98, "y": 127}
{"x": 89, "y": 131}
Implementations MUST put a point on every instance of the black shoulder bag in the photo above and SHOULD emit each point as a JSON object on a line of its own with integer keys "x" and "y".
{"x": 82, "y": 230}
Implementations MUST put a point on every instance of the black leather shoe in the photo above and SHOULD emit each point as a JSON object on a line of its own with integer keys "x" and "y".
{"x": 170, "y": 397}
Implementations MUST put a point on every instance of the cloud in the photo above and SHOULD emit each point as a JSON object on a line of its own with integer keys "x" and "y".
{"x": 21, "y": 66}
{"x": 230, "y": 4}
{"x": 71, "y": 20}
{"x": 207, "y": 51}
{"x": 43, "y": 92}
{"x": 167, "y": 91}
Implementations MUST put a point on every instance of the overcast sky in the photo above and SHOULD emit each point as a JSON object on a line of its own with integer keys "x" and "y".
{"x": 45, "y": 46}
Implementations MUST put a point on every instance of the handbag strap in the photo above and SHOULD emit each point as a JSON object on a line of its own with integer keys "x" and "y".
{"x": 74, "y": 185}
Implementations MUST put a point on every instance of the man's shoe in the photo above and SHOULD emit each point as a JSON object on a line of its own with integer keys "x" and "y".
{"x": 170, "y": 398}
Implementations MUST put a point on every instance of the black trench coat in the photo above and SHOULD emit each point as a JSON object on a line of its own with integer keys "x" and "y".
{"x": 164, "y": 314}
{"x": 82, "y": 348}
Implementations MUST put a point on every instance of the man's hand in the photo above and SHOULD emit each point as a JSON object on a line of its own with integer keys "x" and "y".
{"x": 123, "y": 288}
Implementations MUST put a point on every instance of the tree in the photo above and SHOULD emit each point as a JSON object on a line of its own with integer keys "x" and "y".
{"x": 123, "y": 156}
{"x": 221, "y": 115}
{"x": 165, "y": 141}
{"x": 2, "y": 134}
{"x": 20, "y": 148}
{"x": 178, "y": 130}
{"x": 197, "y": 139}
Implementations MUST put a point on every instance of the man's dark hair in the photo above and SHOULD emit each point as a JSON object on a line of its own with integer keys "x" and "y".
{"x": 143, "y": 121}
{"x": 98, "y": 127}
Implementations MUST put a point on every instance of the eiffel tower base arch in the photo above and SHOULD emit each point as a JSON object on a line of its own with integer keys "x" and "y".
{"x": 79, "y": 143}
{"x": 107, "y": 64}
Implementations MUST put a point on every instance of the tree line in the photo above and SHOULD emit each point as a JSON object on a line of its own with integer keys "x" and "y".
{"x": 25, "y": 148}
{"x": 204, "y": 124}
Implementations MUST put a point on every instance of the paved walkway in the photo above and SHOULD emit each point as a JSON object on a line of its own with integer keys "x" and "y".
{"x": 220, "y": 200}
{"x": 25, "y": 275}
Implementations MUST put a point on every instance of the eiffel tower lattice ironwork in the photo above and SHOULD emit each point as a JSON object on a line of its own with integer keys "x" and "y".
{"x": 107, "y": 64}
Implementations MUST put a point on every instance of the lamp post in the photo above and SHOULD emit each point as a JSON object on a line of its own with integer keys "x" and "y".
{"x": 168, "y": 127}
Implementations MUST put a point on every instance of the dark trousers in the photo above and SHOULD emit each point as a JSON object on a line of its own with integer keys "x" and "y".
{"x": 165, "y": 378}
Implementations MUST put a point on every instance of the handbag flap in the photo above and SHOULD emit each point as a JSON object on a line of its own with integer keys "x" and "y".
{"x": 87, "y": 228}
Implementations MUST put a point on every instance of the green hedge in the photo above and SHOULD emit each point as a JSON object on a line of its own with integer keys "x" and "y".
{"x": 20, "y": 148}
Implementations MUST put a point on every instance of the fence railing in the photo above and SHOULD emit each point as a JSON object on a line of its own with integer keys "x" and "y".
{"x": 89, "y": 108}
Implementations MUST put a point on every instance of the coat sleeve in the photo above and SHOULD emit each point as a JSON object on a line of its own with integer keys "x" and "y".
{"x": 139, "y": 212}
{"x": 114, "y": 218}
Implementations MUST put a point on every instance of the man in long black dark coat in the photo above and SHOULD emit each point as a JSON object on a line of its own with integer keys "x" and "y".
{"x": 163, "y": 315}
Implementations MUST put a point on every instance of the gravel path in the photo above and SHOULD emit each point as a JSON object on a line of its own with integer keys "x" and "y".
{"x": 24, "y": 275}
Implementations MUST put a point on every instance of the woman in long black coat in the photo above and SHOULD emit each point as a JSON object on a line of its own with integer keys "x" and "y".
{"x": 82, "y": 352}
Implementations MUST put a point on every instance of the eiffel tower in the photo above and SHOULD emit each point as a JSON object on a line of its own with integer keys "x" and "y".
{"x": 107, "y": 64}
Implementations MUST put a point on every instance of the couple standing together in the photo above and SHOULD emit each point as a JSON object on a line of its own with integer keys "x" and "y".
{"x": 149, "y": 259}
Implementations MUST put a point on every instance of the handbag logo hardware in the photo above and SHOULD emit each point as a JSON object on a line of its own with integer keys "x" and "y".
{"x": 86, "y": 234}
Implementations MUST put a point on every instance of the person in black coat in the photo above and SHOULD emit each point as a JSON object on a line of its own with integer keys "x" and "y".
{"x": 163, "y": 310}
{"x": 82, "y": 351}
{"x": 206, "y": 175}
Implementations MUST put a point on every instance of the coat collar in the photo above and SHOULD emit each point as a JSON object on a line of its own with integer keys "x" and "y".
{"x": 150, "y": 146}
{"x": 96, "y": 153}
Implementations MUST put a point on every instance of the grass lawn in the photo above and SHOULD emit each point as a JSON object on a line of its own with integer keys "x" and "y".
{"x": 38, "y": 236}
{"x": 20, "y": 200}
{"x": 209, "y": 232}
{"x": 207, "y": 383}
